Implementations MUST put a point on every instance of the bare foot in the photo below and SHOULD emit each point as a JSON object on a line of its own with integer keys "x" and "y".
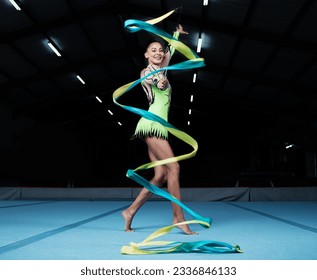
{"x": 127, "y": 216}
{"x": 185, "y": 228}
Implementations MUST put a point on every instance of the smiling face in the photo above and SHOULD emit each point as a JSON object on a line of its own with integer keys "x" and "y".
{"x": 155, "y": 53}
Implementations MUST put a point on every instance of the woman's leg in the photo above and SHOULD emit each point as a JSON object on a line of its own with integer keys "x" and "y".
{"x": 158, "y": 180}
{"x": 129, "y": 213}
{"x": 161, "y": 149}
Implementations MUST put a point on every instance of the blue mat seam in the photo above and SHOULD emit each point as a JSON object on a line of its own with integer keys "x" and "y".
{"x": 308, "y": 228}
{"x": 28, "y": 204}
{"x": 38, "y": 237}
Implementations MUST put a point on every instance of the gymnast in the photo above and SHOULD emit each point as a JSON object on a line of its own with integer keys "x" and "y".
{"x": 158, "y": 91}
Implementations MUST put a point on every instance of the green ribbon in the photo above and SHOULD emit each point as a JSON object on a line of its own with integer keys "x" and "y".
{"x": 163, "y": 247}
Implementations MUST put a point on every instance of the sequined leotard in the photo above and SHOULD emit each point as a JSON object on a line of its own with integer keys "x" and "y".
{"x": 159, "y": 104}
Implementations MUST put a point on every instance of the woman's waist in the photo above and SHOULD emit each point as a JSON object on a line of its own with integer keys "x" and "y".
{"x": 162, "y": 112}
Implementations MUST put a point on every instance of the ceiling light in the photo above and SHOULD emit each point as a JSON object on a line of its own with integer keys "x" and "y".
{"x": 194, "y": 78}
{"x": 110, "y": 112}
{"x": 288, "y": 146}
{"x": 191, "y": 98}
{"x": 205, "y": 3}
{"x": 54, "y": 49}
{"x": 98, "y": 99}
{"x": 119, "y": 123}
{"x": 15, "y": 5}
{"x": 80, "y": 79}
{"x": 190, "y": 112}
{"x": 199, "y": 43}
{"x": 188, "y": 123}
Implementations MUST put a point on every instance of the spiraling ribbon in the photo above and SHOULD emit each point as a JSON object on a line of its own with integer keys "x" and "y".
{"x": 161, "y": 247}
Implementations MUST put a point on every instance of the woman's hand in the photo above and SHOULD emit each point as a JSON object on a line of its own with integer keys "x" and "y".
{"x": 162, "y": 84}
{"x": 180, "y": 29}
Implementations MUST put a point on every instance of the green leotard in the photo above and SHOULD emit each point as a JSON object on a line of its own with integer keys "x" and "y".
{"x": 159, "y": 101}
{"x": 160, "y": 104}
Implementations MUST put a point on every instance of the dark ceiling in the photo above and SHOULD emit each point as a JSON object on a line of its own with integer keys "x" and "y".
{"x": 258, "y": 86}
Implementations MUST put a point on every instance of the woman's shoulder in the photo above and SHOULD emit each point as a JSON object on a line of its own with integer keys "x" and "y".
{"x": 145, "y": 71}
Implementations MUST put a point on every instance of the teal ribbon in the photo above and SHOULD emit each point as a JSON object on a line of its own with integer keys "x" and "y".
{"x": 163, "y": 247}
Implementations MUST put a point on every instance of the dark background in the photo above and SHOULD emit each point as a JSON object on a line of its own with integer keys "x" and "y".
{"x": 255, "y": 96}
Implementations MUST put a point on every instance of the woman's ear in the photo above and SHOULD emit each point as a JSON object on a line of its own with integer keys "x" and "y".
{"x": 146, "y": 55}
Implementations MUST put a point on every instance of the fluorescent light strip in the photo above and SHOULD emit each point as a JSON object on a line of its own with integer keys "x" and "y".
{"x": 119, "y": 123}
{"x": 194, "y": 78}
{"x": 191, "y": 98}
{"x": 98, "y": 99}
{"x": 199, "y": 43}
{"x": 190, "y": 112}
{"x": 110, "y": 112}
{"x": 15, "y": 5}
{"x": 54, "y": 49}
{"x": 188, "y": 123}
{"x": 80, "y": 79}
{"x": 205, "y": 3}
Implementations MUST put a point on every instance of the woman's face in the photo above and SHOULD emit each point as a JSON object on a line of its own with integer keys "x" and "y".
{"x": 154, "y": 53}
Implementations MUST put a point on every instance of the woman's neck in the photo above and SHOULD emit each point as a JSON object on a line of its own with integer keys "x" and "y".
{"x": 154, "y": 67}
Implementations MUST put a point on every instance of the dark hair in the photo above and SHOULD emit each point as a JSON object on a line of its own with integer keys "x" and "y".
{"x": 154, "y": 40}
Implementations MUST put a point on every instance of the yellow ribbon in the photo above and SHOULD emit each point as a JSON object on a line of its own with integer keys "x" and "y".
{"x": 194, "y": 61}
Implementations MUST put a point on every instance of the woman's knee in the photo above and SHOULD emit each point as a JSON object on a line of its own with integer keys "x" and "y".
{"x": 160, "y": 176}
{"x": 174, "y": 168}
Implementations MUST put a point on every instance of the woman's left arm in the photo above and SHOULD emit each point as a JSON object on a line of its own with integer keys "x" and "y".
{"x": 170, "y": 49}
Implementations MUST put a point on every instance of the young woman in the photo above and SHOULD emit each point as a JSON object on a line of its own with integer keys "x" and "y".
{"x": 158, "y": 91}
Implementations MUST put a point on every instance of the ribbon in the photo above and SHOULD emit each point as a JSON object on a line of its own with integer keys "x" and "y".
{"x": 165, "y": 247}
{"x": 193, "y": 61}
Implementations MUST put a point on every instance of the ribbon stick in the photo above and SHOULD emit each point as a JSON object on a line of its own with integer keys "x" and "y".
{"x": 161, "y": 247}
